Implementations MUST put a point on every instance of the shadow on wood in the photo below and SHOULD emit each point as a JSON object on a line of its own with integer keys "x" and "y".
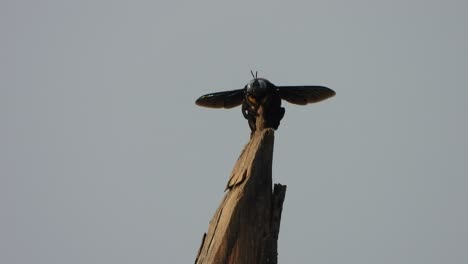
{"x": 246, "y": 224}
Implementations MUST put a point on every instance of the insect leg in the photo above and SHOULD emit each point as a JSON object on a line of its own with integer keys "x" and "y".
{"x": 250, "y": 114}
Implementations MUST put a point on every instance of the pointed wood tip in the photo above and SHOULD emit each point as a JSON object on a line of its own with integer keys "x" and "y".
{"x": 260, "y": 140}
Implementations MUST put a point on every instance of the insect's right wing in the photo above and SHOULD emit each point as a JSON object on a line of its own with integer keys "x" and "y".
{"x": 302, "y": 95}
{"x": 227, "y": 99}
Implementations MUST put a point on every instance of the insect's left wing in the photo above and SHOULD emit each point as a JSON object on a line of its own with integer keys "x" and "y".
{"x": 302, "y": 95}
{"x": 227, "y": 99}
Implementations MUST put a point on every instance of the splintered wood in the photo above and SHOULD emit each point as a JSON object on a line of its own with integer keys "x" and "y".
{"x": 246, "y": 224}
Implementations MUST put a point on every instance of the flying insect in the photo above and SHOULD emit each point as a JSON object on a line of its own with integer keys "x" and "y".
{"x": 261, "y": 93}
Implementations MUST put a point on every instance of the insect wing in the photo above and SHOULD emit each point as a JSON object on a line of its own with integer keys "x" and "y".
{"x": 227, "y": 99}
{"x": 302, "y": 95}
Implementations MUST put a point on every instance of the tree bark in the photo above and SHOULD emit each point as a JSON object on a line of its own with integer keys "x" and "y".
{"x": 246, "y": 224}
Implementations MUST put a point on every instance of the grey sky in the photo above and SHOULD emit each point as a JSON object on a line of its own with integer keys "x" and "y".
{"x": 106, "y": 159}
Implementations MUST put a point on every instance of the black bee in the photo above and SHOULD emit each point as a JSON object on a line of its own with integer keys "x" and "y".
{"x": 261, "y": 92}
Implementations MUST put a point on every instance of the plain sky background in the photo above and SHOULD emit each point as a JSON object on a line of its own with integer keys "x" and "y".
{"x": 105, "y": 158}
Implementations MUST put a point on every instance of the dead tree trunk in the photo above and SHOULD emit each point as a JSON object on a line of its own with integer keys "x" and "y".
{"x": 245, "y": 227}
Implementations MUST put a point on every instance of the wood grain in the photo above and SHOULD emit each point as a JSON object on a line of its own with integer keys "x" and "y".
{"x": 245, "y": 227}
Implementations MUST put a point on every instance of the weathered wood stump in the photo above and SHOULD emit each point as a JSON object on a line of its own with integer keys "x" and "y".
{"x": 245, "y": 227}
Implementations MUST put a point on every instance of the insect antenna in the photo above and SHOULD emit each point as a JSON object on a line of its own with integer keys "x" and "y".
{"x": 254, "y": 76}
